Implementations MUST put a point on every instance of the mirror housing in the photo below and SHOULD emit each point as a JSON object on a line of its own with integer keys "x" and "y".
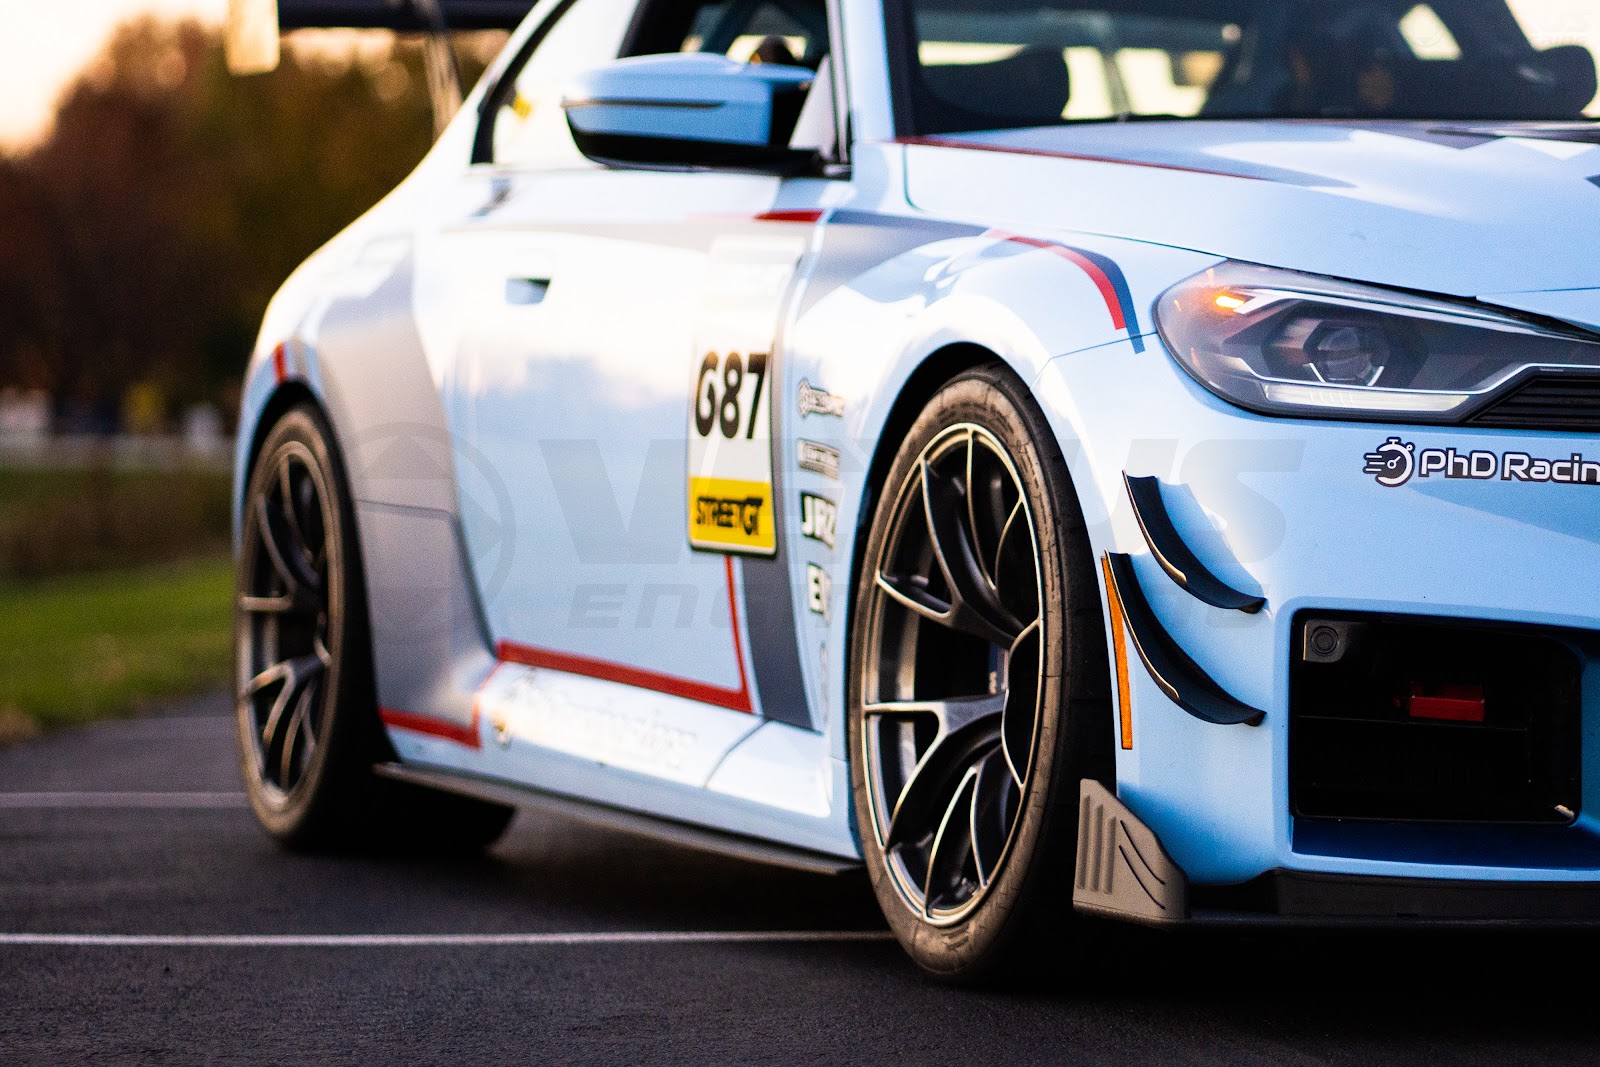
{"x": 690, "y": 111}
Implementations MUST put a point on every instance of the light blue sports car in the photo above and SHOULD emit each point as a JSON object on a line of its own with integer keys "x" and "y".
{"x": 1129, "y": 457}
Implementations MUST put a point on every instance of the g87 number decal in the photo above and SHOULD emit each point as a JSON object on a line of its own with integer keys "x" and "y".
{"x": 719, "y": 408}
{"x": 730, "y": 457}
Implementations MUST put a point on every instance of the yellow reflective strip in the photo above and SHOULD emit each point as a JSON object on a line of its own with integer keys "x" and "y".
{"x": 1119, "y": 649}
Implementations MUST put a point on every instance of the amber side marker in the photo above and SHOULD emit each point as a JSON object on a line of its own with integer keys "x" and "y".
{"x": 1119, "y": 649}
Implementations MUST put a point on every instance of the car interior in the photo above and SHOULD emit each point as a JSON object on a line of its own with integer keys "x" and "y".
{"x": 1004, "y": 64}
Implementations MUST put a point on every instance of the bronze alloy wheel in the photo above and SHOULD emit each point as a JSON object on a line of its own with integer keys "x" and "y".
{"x": 950, "y": 705}
{"x": 978, "y": 681}
{"x": 307, "y": 713}
{"x": 292, "y": 618}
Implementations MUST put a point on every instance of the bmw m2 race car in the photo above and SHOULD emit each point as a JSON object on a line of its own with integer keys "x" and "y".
{"x": 1133, "y": 457}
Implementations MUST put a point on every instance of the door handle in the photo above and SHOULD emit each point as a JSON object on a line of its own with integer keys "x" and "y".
{"x": 526, "y": 291}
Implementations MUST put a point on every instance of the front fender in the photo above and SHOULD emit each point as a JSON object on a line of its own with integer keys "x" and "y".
{"x": 864, "y": 339}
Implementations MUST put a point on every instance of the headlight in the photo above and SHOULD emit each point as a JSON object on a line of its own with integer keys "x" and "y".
{"x": 1296, "y": 344}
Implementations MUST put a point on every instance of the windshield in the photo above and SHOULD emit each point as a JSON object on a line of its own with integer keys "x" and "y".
{"x": 1002, "y": 64}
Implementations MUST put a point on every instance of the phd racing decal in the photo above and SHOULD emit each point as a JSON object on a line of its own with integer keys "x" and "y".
{"x": 1396, "y": 462}
{"x": 1392, "y": 462}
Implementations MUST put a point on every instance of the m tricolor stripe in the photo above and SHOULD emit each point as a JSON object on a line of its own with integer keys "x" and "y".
{"x": 1105, "y": 274}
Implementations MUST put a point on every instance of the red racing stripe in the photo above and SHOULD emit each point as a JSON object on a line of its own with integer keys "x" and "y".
{"x": 427, "y": 724}
{"x": 706, "y": 693}
{"x": 789, "y": 216}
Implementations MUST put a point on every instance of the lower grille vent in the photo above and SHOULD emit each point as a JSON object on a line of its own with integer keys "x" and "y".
{"x": 1548, "y": 403}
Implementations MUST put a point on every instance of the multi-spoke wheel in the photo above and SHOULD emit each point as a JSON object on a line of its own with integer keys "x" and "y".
{"x": 308, "y": 727}
{"x": 285, "y": 605}
{"x": 978, "y": 678}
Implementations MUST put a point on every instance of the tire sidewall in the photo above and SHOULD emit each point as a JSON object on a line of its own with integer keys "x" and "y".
{"x": 303, "y": 813}
{"x": 972, "y": 948}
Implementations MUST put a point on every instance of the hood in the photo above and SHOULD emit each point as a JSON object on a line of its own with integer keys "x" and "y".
{"x": 1445, "y": 208}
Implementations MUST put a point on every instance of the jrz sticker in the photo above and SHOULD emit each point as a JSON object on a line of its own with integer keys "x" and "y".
{"x": 819, "y": 459}
{"x": 819, "y": 518}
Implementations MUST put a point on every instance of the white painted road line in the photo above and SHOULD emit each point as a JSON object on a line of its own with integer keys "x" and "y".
{"x": 123, "y": 800}
{"x": 666, "y": 937}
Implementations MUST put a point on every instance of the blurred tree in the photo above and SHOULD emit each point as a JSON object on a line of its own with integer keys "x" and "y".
{"x": 140, "y": 242}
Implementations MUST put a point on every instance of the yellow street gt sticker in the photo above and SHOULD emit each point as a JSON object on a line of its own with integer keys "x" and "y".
{"x": 731, "y": 516}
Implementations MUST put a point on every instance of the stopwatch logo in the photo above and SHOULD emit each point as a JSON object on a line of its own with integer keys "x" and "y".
{"x": 1392, "y": 463}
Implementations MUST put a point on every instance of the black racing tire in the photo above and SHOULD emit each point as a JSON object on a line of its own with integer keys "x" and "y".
{"x": 966, "y": 801}
{"x": 308, "y": 728}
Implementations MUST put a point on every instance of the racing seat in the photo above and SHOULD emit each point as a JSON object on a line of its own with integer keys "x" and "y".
{"x": 1353, "y": 62}
{"x": 1030, "y": 88}
{"x": 774, "y": 49}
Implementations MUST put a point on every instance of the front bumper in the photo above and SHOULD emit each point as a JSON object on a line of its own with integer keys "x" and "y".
{"x": 1290, "y": 511}
{"x": 1123, "y": 872}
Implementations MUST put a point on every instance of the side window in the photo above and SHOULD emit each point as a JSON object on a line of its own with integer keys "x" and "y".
{"x": 998, "y": 64}
{"x": 790, "y": 32}
{"x": 530, "y": 129}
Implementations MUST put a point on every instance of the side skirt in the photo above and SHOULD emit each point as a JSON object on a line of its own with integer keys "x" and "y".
{"x": 633, "y": 822}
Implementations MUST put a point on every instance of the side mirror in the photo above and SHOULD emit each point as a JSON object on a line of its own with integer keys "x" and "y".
{"x": 690, "y": 111}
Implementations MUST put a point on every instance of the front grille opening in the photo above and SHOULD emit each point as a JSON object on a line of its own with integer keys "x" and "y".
{"x": 1547, "y": 402}
{"x": 1417, "y": 719}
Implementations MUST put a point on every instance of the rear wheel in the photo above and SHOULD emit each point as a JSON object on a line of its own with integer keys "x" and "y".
{"x": 307, "y": 721}
{"x": 978, "y": 686}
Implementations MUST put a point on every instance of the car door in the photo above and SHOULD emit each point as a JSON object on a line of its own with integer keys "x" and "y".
{"x": 613, "y": 367}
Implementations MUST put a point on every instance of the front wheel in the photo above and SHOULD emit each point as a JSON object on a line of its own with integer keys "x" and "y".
{"x": 978, "y": 682}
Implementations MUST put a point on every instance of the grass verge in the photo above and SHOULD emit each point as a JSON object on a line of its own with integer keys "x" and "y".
{"x": 92, "y": 646}
{"x": 72, "y": 520}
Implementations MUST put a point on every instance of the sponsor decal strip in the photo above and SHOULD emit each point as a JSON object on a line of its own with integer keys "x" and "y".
{"x": 1105, "y": 273}
{"x": 706, "y": 693}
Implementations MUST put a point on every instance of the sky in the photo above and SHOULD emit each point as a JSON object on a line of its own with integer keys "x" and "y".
{"x": 43, "y": 43}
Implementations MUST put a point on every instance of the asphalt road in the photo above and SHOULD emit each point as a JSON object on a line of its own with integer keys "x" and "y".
{"x": 139, "y": 828}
